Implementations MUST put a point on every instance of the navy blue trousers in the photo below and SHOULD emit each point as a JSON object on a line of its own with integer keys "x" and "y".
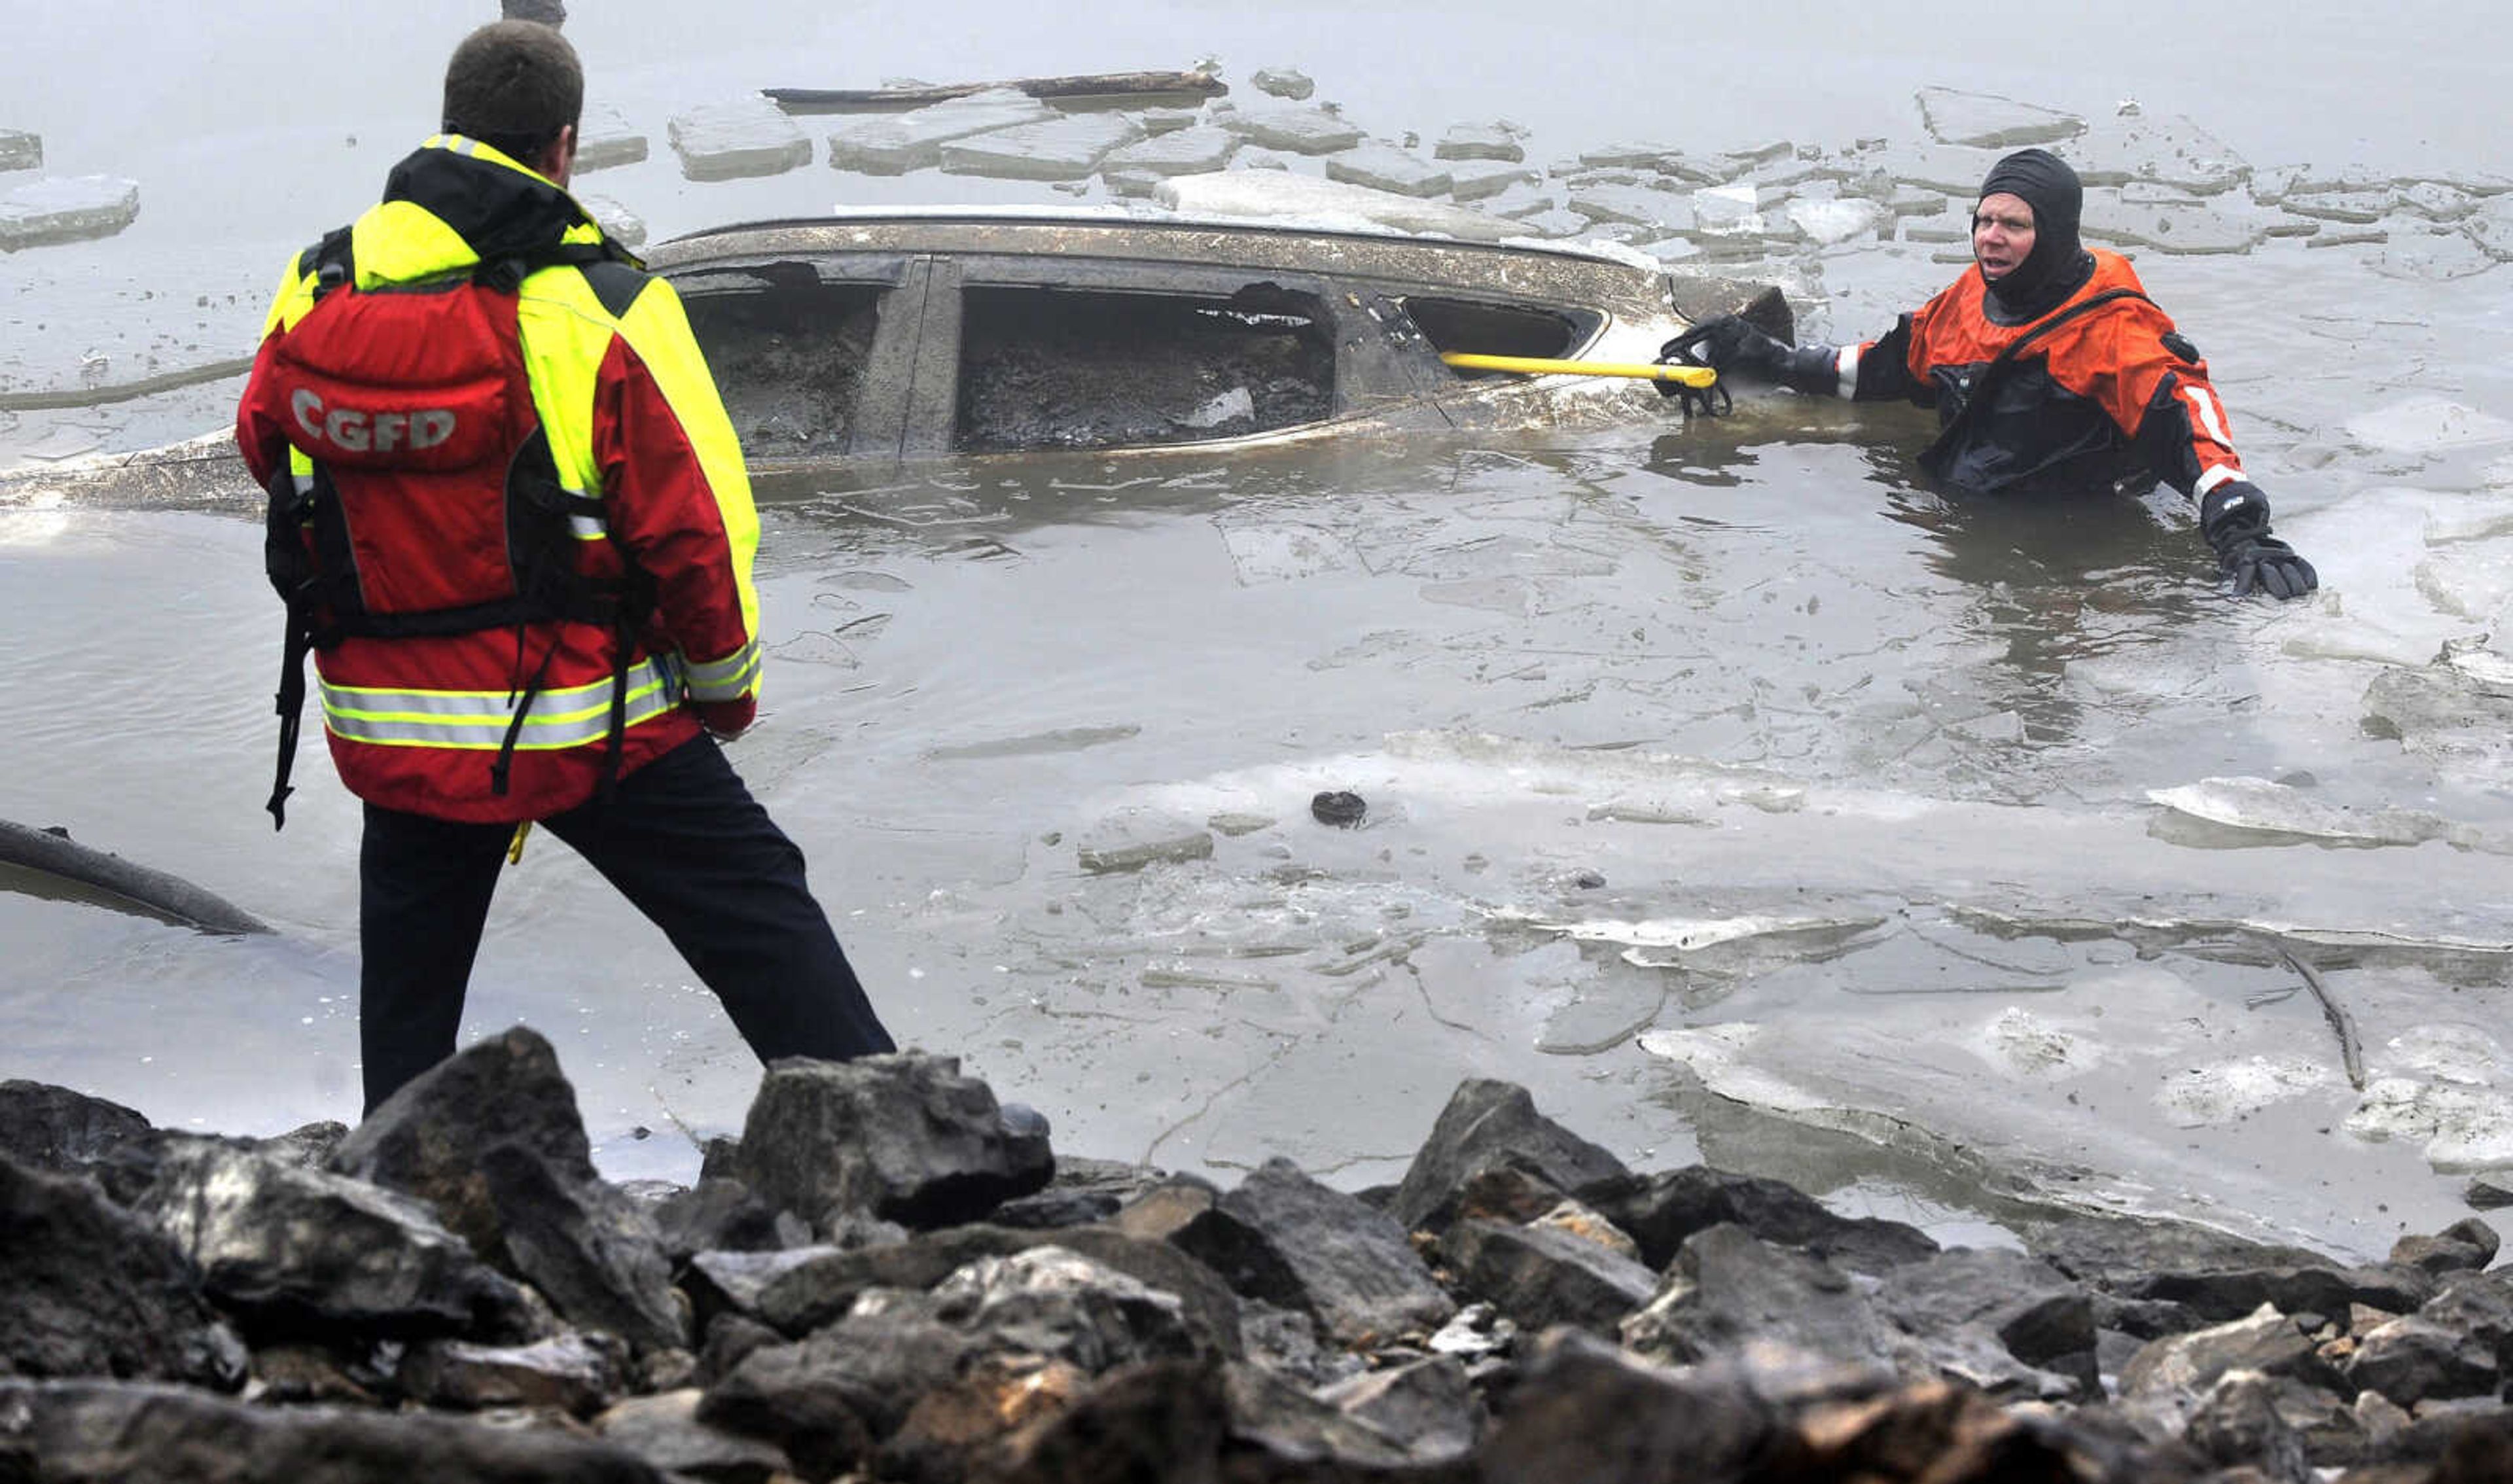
{"x": 684, "y": 841}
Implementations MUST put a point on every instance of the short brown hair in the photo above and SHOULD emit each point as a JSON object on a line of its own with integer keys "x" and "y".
{"x": 513, "y": 85}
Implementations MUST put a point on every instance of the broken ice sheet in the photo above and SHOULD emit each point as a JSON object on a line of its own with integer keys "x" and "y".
{"x": 67, "y": 208}
{"x": 2247, "y": 808}
{"x": 1187, "y": 151}
{"x": 893, "y": 143}
{"x": 1382, "y": 166}
{"x": 1068, "y": 148}
{"x": 605, "y": 140}
{"x": 1301, "y": 131}
{"x": 738, "y": 138}
{"x": 1986, "y": 120}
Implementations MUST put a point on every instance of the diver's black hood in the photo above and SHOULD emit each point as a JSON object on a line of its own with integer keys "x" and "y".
{"x": 2059, "y": 263}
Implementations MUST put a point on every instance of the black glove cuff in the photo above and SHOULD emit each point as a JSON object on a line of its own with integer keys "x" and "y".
{"x": 2236, "y": 507}
{"x": 1815, "y": 370}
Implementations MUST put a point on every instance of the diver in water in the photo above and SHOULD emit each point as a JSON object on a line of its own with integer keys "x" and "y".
{"x": 2050, "y": 371}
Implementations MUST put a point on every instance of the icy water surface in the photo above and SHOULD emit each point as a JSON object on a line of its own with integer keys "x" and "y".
{"x": 1739, "y": 796}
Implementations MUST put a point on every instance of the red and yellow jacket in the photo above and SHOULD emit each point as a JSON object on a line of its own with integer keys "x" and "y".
{"x": 652, "y": 488}
{"x": 2109, "y": 392}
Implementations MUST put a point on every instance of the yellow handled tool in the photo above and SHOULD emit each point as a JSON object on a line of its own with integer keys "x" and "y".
{"x": 1537, "y": 366}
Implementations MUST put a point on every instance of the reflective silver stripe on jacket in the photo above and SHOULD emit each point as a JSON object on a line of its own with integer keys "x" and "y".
{"x": 569, "y": 716}
{"x": 727, "y": 679}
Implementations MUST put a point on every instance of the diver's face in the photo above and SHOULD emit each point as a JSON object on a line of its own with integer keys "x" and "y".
{"x": 2002, "y": 234}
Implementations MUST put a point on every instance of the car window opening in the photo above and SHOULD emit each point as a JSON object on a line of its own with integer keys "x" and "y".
{"x": 1055, "y": 367}
{"x": 789, "y": 357}
{"x": 1486, "y": 329}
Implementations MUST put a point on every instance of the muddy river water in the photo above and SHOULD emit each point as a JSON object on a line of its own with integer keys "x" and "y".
{"x": 1739, "y": 796}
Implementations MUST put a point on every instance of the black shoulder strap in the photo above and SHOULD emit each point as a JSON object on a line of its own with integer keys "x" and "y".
{"x": 2000, "y": 364}
{"x": 331, "y": 263}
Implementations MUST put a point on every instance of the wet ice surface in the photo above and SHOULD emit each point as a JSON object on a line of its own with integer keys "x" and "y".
{"x": 1739, "y": 797}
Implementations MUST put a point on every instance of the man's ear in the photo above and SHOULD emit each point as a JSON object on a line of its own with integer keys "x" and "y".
{"x": 558, "y": 160}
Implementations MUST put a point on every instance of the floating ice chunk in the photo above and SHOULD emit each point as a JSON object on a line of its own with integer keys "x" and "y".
{"x": 615, "y": 220}
{"x": 2019, "y": 1043}
{"x": 1168, "y": 120}
{"x": 1660, "y": 942}
{"x": 1987, "y": 121}
{"x": 21, "y": 150}
{"x": 1481, "y": 142}
{"x": 1282, "y": 82}
{"x": 2174, "y": 151}
{"x": 889, "y": 144}
{"x": 67, "y": 208}
{"x": 1189, "y": 151}
{"x": 1483, "y": 179}
{"x": 1271, "y": 195}
{"x": 2193, "y": 229}
{"x": 2476, "y": 520}
{"x": 2492, "y": 229}
{"x": 1728, "y": 208}
{"x": 2221, "y": 1093}
{"x": 1382, "y": 166}
{"x": 1716, "y": 1055}
{"x": 2425, "y": 423}
{"x": 603, "y": 139}
{"x": 2435, "y": 255}
{"x": 2438, "y": 711}
{"x": 1827, "y": 223}
{"x": 1280, "y": 553}
{"x": 1639, "y": 205}
{"x": 1134, "y": 838}
{"x": 2464, "y": 1129}
{"x": 1301, "y": 131}
{"x": 1066, "y": 148}
{"x": 1235, "y": 405}
{"x": 738, "y": 138}
{"x": 2448, "y": 1053}
{"x": 2358, "y": 208}
{"x": 2259, "y": 806}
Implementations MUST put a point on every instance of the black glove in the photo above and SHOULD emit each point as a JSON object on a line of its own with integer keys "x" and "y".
{"x": 2235, "y": 519}
{"x": 1729, "y": 344}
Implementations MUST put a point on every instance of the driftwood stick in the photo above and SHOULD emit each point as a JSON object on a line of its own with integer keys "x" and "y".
{"x": 2350, "y": 1051}
{"x": 1089, "y": 85}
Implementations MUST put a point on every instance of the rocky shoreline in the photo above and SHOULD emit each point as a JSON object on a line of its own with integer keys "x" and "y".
{"x": 887, "y": 1278}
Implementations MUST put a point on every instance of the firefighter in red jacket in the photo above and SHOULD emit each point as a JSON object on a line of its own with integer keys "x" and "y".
{"x": 513, "y": 526}
{"x": 2050, "y": 369}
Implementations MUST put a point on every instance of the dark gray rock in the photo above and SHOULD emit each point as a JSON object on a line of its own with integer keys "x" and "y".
{"x": 1728, "y": 1288}
{"x": 1165, "y": 1422}
{"x": 724, "y": 1216}
{"x": 1662, "y": 1211}
{"x": 429, "y": 1137}
{"x": 1052, "y": 1302}
{"x": 828, "y": 1400}
{"x": 1426, "y": 1407}
{"x": 594, "y": 1252}
{"x": 2218, "y": 1277}
{"x": 94, "y": 1291}
{"x": 1286, "y": 1342}
{"x": 1585, "y": 1410}
{"x": 99, "y": 1433}
{"x": 2416, "y": 1360}
{"x": 1158, "y": 1211}
{"x": 1287, "y": 1239}
{"x": 1083, "y": 1192}
{"x": 2043, "y": 1318}
{"x": 904, "y": 1137}
{"x": 576, "y": 1373}
{"x": 301, "y": 1251}
{"x": 729, "y": 1339}
{"x": 55, "y": 1129}
{"x": 2184, "y": 1367}
{"x": 2489, "y": 1192}
{"x": 2479, "y": 1452}
{"x": 2240, "y": 1422}
{"x": 1493, "y": 1123}
{"x": 720, "y": 1283}
{"x": 665, "y": 1431}
{"x": 1542, "y": 1276}
{"x": 797, "y": 1293}
{"x": 2464, "y": 1245}
{"x": 1291, "y": 1427}
{"x": 491, "y": 1140}
{"x": 2480, "y": 1305}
